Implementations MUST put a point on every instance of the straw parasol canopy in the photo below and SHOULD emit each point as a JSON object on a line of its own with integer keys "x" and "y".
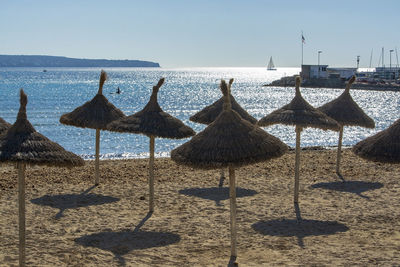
{"x": 347, "y": 113}
{"x": 229, "y": 141}
{"x": 153, "y": 122}
{"x": 301, "y": 114}
{"x": 21, "y": 144}
{"x": 381, "y": 147}
{"x": 95, "y": 114}
{"x": 208, "y": 114}
{"x": 4, "y": 125}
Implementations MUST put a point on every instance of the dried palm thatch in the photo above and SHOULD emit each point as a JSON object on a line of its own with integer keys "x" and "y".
{"x": 229, "y": 141}
{"x": 301, "y": 114}
{"x": 347, "y": 113}
{"x": 381, "y": 147}
{"x": 4, "y": 125}
{"x": 208, "y": 114}
{"x": 95, "y": 114}
{"x": 153, "y": 122}
{"x": 21, "y": 144}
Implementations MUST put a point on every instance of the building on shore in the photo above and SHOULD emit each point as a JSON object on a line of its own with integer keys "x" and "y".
{"x": 322, "y": 72}
{"x": 313, "y": 71}
{"x": 310, "y": 72}
{"x": 344, "y": 73}
{"x": 391, "y": 73}
{"x": 321, "y": 76}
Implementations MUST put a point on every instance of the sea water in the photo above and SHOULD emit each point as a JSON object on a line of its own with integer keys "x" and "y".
{"x": 185, "y": 91}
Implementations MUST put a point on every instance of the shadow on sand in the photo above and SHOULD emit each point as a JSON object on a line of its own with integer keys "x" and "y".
{"x": 340, "y": 176}
{"x": 232, "y": 262}
{"x": 73, "y": 201}
{"x": 356, "y": 187}
{"x": 216, "y": 193}
{"x": 121, "y": 243}
{"x": 298, "y": 227}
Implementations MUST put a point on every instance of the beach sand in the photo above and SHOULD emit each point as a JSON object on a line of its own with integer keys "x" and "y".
{"x": 71, "y": 223}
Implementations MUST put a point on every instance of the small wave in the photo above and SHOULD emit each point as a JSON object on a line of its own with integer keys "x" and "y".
{"x": 126, "y": 155}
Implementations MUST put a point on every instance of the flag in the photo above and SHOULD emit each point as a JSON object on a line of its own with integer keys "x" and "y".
{"x": 303, "y": 40}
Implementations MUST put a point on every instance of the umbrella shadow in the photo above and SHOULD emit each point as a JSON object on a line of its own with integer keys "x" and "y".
{"x": 216, "y": 193}
{"x": 356, "y": 187}
{"x": 73, "y": 201}
{"x": 142, "y": 222}
{"x": 340, "y": 176}
{"x": 221, "y": 181}
{"x": 232, "y": 262}
{"x": 122, "y": 242}
{"x": 299, "y": 227}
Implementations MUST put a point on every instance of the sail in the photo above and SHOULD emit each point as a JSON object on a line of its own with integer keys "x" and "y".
{"x": 271, "y": 65}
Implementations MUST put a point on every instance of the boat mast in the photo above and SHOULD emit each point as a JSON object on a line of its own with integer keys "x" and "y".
{"x": 379, "y": 61}
{"x": 370, "y": 58}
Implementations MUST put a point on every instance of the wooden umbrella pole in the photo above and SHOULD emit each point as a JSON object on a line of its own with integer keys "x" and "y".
{"x": 297, "y": 165}
{"x": 97, "y": 171}
{"x": 232, "y": 198}
{"x": 339, "y": 151}
{"x": 151, "y": 175}
{"x": 21, "y": 207}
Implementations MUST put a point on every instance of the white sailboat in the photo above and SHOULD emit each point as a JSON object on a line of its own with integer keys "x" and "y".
{"x": 271, "y": 65}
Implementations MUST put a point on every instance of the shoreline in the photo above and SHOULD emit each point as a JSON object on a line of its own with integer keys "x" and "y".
{"x": 71, "y": 223}
{"x": 288, "y": 81}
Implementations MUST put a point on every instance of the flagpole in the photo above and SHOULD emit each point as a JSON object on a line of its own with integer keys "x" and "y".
{"x": 302, "y": 53}
{"x": 302, "y": 43}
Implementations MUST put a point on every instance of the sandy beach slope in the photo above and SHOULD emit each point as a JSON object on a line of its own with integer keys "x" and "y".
{"x": 70, "y": 223}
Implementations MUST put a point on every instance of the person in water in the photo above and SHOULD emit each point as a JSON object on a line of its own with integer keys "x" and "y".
{"x": 118, "y": 91}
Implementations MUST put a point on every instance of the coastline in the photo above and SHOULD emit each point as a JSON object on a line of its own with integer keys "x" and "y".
{"x": 70, "y": 222}
{"x": 332, "y": 84}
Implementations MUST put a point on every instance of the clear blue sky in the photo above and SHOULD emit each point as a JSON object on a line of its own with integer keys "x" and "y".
{"x": 204, "y": 33}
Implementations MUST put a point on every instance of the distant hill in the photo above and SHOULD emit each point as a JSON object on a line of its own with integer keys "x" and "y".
{"x": 52, "y": 61}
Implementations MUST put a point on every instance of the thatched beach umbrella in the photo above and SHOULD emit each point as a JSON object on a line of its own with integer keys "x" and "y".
{"x": 153, "y": 122}
{"x": 229, "y": 142}
{"x": 347, "y": 113}
{"x": 95, "y": 114}
{"x": 208, "y": 114}
{"x": 22, "y": 145}
{"x": 381, "y": 147}
{"x": 4, "y": 125}
{"x": 301, "y": 114}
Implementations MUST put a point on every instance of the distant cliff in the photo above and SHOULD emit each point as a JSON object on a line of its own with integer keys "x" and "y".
{"x": 52, "y": 61}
